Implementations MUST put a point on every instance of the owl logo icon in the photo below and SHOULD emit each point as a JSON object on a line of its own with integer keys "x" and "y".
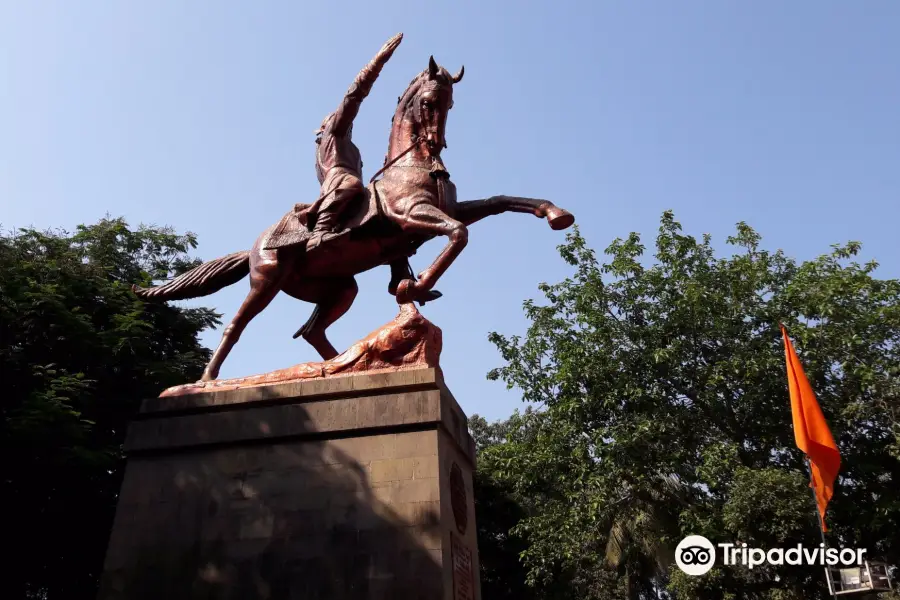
{"x": 695, "y": 555}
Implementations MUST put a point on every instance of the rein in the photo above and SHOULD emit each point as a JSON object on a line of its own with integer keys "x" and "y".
{"x": 437, "y": 170}
{"x": 415, "y": 142}
{"x": 380, "y": 171}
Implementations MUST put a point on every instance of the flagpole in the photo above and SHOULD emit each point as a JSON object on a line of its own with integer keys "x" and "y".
{"x": 819, "y": 523}
{"x": 815, "y": 503}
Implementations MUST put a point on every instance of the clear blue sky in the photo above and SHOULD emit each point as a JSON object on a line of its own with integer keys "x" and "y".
{"x": 201, "y": 115}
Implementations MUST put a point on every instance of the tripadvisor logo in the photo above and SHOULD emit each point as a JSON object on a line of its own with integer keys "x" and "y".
{"x": 696, "y": 555}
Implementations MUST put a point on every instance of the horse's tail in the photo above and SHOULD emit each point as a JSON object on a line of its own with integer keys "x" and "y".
{"x": 208, "y": 278}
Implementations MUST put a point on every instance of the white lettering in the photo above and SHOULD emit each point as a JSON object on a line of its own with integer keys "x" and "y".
{"x": 741, "y": 554}
{"x": 726, "y": 548}
{"x": 775, "y": 556}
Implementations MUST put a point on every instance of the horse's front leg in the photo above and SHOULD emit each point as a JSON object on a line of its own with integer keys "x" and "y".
{"x": 425, "y": 219}
{"x": 474, "y": 210}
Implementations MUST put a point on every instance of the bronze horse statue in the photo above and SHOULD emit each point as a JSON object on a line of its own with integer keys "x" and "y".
{"x": 413, "y": 202}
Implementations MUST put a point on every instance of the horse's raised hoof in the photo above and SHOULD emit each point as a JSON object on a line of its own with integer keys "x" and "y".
{"x": 559, "y": 218}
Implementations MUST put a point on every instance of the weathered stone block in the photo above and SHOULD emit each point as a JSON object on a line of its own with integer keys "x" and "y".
{"x": 352, "y": 487}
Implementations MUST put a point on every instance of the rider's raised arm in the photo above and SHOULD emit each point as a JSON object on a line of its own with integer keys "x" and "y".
{"x": 362, "y": 85}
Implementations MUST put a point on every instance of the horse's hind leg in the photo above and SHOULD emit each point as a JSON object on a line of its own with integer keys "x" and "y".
{"x": 333, "y": 298}
{"x": 262, "y": 291}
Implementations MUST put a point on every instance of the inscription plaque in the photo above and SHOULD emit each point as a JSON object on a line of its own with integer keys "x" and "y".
{"x": 463, "y": 578}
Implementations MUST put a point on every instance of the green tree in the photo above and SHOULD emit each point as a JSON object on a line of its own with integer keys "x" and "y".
{"x": 497, "y": 512}
{"x": 664, "y": 412}
{"x": 78, "y": 351}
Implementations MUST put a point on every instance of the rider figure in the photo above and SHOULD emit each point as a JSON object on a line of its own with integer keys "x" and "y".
{"x": 339, "y": 164}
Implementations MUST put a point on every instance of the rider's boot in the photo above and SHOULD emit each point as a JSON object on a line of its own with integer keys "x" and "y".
{"x": 322, "y": 232}
{"x": 400, "y": 270}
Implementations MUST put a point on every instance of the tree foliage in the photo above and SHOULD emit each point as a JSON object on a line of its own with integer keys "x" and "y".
{"x": 663, "y": 412}
{"x": 78, "y": 351}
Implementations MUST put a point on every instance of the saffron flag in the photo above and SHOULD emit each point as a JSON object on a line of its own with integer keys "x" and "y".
{"x": 811, "y": 432}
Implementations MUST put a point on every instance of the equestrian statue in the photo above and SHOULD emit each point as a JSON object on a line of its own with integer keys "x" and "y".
{"x": 315, "y": 251}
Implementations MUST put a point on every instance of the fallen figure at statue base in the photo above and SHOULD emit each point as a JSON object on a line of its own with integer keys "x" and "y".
{"x": 410, "y": 341}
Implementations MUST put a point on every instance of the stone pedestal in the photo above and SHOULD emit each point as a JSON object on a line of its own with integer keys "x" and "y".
{"x": 353, "y": 487}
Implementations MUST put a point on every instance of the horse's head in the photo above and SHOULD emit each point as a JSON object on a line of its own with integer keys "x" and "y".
{"x": 422, "y": 110}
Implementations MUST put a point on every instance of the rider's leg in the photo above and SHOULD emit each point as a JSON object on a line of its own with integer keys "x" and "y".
{"x": 330, "y": 211}
{"x": 325, "y": 218}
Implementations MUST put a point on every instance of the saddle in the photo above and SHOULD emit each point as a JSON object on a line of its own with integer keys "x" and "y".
{"x": 296, "y": 226}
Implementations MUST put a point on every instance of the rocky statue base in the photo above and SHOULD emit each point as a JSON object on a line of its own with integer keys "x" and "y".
{"x": 349, "y": 479}
{"x": 409, "y": 341}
